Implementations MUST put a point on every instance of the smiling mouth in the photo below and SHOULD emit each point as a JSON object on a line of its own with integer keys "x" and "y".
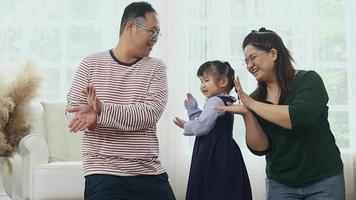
{"x": 254, "y": 72}
{"x": 151, "y": 44}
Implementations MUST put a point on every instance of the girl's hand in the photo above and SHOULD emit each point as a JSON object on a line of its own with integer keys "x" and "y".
{"x": 179, "y": 122}
{"x": 92, "y": 99}
{"x": 190, "y": 103}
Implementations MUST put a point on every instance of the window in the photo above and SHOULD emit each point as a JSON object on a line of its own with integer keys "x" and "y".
{"x": 318, "y": 33}
{"x": 58, "y": 35}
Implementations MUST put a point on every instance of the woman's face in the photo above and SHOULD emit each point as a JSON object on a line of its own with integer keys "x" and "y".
{"x": 260, "y": 63}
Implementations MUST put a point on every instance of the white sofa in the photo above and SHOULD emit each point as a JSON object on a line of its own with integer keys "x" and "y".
{"x": 51, "y": 156}
{"x": 52, "y": 168}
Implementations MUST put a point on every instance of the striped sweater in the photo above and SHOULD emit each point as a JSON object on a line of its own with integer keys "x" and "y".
{"x": 133, "y": 97}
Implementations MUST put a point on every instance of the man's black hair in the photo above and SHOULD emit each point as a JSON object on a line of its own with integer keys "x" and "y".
{"x": 135, "y": 10}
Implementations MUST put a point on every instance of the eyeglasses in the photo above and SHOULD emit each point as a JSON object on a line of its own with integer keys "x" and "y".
{"x": 251, "y": 58}
{"x": 153, "y": 32}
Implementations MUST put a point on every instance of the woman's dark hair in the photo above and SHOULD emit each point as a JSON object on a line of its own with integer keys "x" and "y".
{"x": 219, "y": 70}
{"x": 134, "y": 10}
{"x": 266, "y": 40}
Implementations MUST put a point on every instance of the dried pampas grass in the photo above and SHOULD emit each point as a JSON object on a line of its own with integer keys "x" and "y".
{"x": 6, "y": 107}
{"x": 15, "y": 99}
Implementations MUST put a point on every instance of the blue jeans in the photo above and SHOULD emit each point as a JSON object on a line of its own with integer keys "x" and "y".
{"x": 332, "y": 188}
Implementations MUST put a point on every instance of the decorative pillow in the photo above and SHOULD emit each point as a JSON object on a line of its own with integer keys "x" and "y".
{"x": 62, "y": 144}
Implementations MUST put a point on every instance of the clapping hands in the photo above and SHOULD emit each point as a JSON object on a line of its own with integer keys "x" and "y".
{"x": 245, "y": 100}
{"x": 86, "y": 115}
{"x": 92, "y": 99}
{"x": 191, "y": 105}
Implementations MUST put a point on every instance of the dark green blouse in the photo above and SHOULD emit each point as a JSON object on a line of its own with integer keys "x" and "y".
{"x": 307, "y": 153}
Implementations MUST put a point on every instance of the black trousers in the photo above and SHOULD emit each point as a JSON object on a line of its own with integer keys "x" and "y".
{"x": 109, "y": 187}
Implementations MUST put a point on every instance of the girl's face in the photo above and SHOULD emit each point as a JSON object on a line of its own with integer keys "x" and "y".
{"x": 260, "y": 63}
{"x": 209, "y": 86}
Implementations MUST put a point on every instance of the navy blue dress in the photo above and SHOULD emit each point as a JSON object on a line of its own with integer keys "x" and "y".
{"x": 217, "y": 169}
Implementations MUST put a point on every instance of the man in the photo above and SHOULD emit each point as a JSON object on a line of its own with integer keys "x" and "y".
{"x": 126, "y": 92}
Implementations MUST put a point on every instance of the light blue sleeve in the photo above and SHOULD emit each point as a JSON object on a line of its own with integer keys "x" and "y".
{"x": 192, "y": 107}
{"x": 194, "y": 115}
{"x": 207, "y": 119}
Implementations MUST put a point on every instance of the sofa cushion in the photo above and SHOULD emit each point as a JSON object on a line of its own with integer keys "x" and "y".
{"x": 62, "y": 144}
{"x": 58, "y": 180}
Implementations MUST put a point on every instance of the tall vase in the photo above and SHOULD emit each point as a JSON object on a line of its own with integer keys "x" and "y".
{"x": 3, "y": 194}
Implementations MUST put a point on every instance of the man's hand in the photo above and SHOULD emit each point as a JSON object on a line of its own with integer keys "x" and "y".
{"x": 179, "y": 122}
{"x": 85, "y": 118}
{"x": 92, "y": 99}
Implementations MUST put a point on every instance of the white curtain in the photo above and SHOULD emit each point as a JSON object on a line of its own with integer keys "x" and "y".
{"x": 320, "y": 35}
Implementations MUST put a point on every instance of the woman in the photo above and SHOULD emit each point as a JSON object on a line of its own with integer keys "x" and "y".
{"x": 286, "y": 119}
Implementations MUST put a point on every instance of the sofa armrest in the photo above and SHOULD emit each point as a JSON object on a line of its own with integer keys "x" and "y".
{"x": 34, "y": 150}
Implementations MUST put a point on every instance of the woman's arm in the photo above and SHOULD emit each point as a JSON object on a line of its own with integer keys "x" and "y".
{"x": 277, "y": 114}
{"x": 304, "y": 110}
{"x": 256, "y": 138}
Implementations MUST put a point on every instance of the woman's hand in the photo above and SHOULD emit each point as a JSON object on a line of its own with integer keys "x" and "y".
{"x": 179, "y": 122}
{"x": 92, "y": 99}
{"x": 244, "y": 98}
{"x": 234, "y": 108}
{"x": 277, "y": 114}
{"x": 246, "y": 101}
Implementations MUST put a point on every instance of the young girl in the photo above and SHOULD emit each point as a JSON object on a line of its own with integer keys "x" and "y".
{"x": 217, "y": 170}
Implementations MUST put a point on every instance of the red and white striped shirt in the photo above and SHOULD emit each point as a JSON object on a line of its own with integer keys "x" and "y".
{"x": 133, "y": 98}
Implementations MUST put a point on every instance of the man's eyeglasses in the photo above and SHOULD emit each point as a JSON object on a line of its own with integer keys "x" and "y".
{"x": 153, "y": 32}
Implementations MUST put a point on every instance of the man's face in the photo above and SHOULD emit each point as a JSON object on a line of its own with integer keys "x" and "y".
{"x": 146, "y": 34}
